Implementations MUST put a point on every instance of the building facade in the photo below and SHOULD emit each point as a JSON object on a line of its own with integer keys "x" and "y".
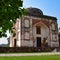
{"x": 35, "y": 30}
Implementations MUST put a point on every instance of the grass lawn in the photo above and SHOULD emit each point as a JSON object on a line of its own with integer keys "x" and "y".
{"x": 50, "y": 57}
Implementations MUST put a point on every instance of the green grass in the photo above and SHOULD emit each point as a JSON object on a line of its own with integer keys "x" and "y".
{"x": 50, "y": 57}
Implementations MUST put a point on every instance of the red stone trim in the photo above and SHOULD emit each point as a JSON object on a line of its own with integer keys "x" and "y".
{"x": 35, "y": 21}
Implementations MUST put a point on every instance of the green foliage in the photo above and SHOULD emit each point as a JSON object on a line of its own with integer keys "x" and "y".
{"x": 59, "y": 28}
{"x": 9, "y": 11}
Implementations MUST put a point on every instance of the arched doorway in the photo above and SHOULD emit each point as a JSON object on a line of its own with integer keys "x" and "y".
{"x": 40, "y": 31}
{"x": 15, "y": 42}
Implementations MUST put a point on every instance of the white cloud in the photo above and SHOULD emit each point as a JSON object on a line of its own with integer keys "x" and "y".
{"x": 4, "y": 40}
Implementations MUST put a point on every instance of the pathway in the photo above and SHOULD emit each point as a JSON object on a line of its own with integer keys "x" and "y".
{"x": 31, "y": 54}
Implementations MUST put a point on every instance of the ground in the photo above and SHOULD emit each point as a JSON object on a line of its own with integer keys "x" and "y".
{"x": 31, "y": 56}
{"x": 50, "y": 57}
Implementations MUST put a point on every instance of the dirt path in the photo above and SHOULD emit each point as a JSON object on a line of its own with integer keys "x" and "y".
{"x": 31, "y": 54}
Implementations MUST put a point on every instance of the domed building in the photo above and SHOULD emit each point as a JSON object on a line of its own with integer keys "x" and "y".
{"x": 35, "y": 30}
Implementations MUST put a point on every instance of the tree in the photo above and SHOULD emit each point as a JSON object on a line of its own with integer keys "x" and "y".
{"x": 59, "y": 28}
{"x": 10, "y": 10}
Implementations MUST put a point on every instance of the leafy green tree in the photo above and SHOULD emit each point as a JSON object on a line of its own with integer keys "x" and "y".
{"x": 10, "y": 10}
{"x": 59, "y": 28}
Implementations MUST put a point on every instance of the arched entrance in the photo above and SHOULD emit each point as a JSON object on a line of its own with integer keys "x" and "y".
{"x": 40, "y": 31}
{"x": 38, "y": 41}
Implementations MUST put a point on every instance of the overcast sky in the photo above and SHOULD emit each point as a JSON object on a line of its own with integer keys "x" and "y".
{"x": 49, "y": 7}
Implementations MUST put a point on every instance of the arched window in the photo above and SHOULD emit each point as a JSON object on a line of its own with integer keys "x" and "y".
{"x": 26, "y": 23}
{"x": 54, "y": 37}
{"x": 26, "y": 35}
{"x": 53, "y": 26}
{"x": 38, "y": 29}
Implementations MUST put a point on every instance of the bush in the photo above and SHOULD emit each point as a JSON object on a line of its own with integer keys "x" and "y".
{"x": 24, "y": 49}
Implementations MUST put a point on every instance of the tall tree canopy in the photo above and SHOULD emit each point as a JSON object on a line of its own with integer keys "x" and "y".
{"x": 9, "y": 11}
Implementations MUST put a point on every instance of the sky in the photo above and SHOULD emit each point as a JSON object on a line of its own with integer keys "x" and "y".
{"x": 49, "y": 7}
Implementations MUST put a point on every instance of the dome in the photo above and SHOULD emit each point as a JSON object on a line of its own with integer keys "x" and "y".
{"x": 34, "y": 12}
